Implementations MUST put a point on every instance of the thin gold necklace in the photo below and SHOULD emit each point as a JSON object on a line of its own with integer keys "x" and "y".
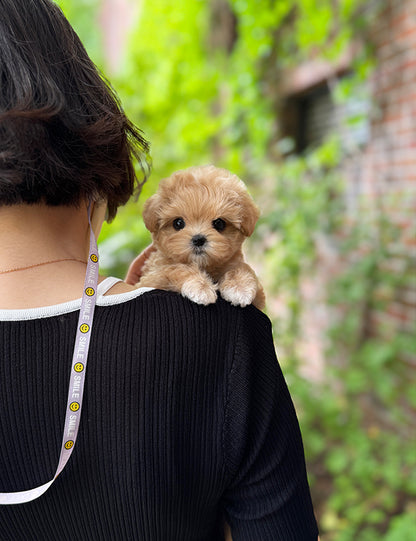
{"x": 43, "y": 263}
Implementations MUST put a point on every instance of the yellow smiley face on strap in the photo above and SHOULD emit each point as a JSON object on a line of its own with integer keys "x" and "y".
{"x": 84, "y": 328}
{"x": 74, "y": 406}
{"x": 94, "y": 258}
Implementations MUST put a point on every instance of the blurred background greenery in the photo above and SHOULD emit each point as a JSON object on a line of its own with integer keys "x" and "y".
{"x": 311, "y": 104}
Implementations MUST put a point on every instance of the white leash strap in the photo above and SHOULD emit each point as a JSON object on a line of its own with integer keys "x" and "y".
{"x": 76, "y": 385}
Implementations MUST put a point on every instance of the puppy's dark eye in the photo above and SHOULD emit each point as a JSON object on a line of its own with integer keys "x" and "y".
{"x": 219, "y": 224}
{"x": 178, "y": 224}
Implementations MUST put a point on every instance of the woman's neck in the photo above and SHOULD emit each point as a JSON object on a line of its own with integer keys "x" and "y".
{"x": 30, "y": 234}
{"x": 33, "y": 234}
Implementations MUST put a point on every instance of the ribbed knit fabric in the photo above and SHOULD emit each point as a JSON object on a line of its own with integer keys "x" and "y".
{"x": 186, "y": 422}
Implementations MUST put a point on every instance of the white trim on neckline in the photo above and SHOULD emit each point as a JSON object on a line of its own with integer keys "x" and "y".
{"x": 24, "y": 314}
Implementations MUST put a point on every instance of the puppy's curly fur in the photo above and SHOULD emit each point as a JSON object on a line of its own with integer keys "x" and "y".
{"x": 199, "y": 218}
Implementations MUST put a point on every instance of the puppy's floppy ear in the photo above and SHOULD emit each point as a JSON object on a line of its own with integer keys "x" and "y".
{"x": 150, "y": 214}
{"x": 250, "y": 215}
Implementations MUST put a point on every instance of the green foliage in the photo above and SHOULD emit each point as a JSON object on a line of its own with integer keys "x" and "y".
{"x": 357, "y": 421}
{"x": 168, "y": 85}
{"x": 372, "y": 379}
{"x": 402, "y": 528}
{"x": 199, "y": 102}
{"x": 82, "y": 14}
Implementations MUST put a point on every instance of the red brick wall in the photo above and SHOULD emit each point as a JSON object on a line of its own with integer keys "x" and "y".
{"x": 381, "y": 179}
{"x": 391, "y": 156}
{"x": 388, "y": 165}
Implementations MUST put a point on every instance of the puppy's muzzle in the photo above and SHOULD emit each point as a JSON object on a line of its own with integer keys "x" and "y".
{"x": 198, "y": 243}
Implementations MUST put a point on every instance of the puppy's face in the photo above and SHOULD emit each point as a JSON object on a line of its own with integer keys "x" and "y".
{"x": 200, "y": 215}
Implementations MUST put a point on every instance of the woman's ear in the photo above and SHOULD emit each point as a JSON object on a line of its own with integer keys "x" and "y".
{"x": 150, "y": 213}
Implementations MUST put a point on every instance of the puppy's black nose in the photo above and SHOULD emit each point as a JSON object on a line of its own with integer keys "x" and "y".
{"x": 199, "y": 240}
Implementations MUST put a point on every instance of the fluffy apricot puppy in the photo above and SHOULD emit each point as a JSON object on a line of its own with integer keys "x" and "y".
{"x": 199, "y": 218}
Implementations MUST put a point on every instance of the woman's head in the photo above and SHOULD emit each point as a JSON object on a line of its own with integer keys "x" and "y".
{"x": 63, "y": 134}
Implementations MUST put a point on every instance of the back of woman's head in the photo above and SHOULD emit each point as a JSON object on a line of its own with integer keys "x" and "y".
{"x": 63, "y": 134}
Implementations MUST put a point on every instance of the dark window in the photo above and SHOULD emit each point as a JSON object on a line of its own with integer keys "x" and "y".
{"x": 307, "y": 119}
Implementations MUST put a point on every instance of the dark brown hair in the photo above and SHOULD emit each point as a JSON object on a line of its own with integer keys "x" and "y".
{"x": 63, "y": 133}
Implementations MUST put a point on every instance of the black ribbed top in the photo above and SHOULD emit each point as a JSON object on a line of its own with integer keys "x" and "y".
{"x": 186, "y": 422}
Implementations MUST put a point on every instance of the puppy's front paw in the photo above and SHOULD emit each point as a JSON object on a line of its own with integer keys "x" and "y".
{"x": 239, "y": 286}
{"x": 239, "y": 295}
{"x": 199, "y": 290}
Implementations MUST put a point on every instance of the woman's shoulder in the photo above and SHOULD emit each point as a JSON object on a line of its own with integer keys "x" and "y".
{"x": 170, "y": 308}
{"x": 220, "y": 319}
{"x": 171, "y": 300}
{"x": 119, "y": 287}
